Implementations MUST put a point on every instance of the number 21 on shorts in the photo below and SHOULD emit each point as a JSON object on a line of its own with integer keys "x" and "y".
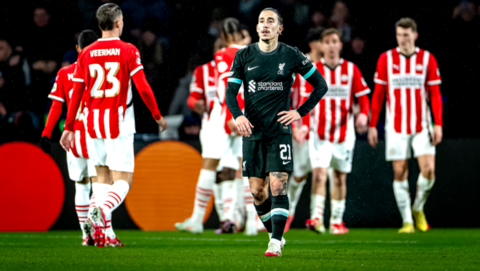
{"x": 285, "y": 152}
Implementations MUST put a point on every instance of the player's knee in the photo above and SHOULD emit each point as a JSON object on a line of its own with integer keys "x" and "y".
{"x": 400, "y": 174}
{"x": 258, "y": 193}
{"x": 428, "y": 172}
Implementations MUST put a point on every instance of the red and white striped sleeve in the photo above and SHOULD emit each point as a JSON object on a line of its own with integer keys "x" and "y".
{"x": 381, "y": 74}
{"x": 433, "y": 72}
{"x": 58, "y": 89}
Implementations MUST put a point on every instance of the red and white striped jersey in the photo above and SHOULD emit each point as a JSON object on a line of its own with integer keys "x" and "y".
{"x": 332, "y": 117}
{"x": 62, "y": 92}
{"x": 224, "y": 60}
{"x": 407, "y": 79}
{"x": 204, "y": 85}
{"x": 299, "y": 93}
{"x": 106, "y": 67}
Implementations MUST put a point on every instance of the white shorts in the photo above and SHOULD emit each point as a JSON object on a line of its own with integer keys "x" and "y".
{"x": 324, "y": 154}
{"x": 117, "y": 154}
{"x": 301, "y": 159}
{"x": 229, "y": 161}
{"x": 399, "y": 147}
{"x": 216, "y": 144}
{"x": 80, "y": 168}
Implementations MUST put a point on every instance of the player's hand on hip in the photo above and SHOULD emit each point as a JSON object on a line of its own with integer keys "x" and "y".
{"x": 437, "y": 135}
{"x": 361, "y": 123}
{"x": 199, "y": 107}
{"x": 244, "y": 126}
{"x": 288, "y": 117}
{"x": 162, "y": 122}
{"x": 45, "y": 144}
{"x": 301, "y": 134}
{"x": 66, "y": 141}
{"x": 373, "y": 136}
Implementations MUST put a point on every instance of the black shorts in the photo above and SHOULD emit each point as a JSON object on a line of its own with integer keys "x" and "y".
{"x": 269, "y": 154}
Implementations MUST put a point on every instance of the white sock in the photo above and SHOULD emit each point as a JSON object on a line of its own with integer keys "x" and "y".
{"x": 100, "y": 190}
{"x": 202, "y": 194}
{"x": 249, "y": 204}
{"x": 424, "y": 186}
{"x": 294, "y": 193}
{"x": 402, "y": 196}
{"x": 276, "y": 242}
{"x": 115, "y": 197}
{"x": 338, "y": 208}
{"x": 82, "y": 203}
{"x": 92, "y": 202}
{"x": 239, "y": 204}
{"x": 319, "y": 201}
{"x": 217, "y": 193}
{"x": 229, "y": 198}
{"x": 312, "y": 204}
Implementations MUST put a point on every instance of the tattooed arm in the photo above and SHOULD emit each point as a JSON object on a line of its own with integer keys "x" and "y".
{"x": 278, "y": 183}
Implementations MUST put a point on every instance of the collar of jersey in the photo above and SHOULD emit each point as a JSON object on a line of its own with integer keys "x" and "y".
{"x": 416, "y": 51}
{"x": 339, "y": 63}
{"x": 237, "y": 46}
{"x": 114, "y": 38}
{"x": 269, "y": 53}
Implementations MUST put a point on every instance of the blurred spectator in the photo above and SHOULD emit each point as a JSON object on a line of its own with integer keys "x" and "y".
{"x": 179, "y": 103}
{"x": 135, "y": 14}
{"x": 340, "y": 20}
{"x": 41, "y": 50}
{"x": 462, "y": 85}
{"x": 14, "y": 78}
{"x": 248, "y": 13}
{"x": 151, "y": 50}
{"x": 319, "y": 19}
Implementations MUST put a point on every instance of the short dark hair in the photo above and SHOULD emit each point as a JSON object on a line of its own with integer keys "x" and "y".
{"x": 406, "y": 23}
{"x": 106, "y": 16}
{"x": 280, "y": 19}
{"x": 86, "y": 38}
{"x": 331, "y": 31}
{"x": 315, "y": 34}
{"x": 231, "y": 26}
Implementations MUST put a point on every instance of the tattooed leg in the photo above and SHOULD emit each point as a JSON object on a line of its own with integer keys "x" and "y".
{"x": 280, "y": 204}
{"x": 279, "y": 183}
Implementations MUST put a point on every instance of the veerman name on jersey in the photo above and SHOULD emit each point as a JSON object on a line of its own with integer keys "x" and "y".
{"x": 105, "y": 52}
{"x": 270, "y": 86}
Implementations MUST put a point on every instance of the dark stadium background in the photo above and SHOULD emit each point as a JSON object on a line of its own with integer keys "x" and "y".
{"x": 370, "y": 203}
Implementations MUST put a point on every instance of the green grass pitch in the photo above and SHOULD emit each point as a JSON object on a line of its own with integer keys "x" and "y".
{"x": 361, "y": 249}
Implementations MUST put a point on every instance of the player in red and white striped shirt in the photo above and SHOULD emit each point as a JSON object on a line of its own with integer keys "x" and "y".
{"x": 218, "y": 139}
{"x": 300, "y": 152}
{"x": 103, "y": 78}
{"x": 80, "y": 168}
{"x": 333, "y": 135}
{"x": 410, "y": 77}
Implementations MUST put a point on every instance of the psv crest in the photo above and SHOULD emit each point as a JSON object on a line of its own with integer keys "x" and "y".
{"x": 280, "y": 68}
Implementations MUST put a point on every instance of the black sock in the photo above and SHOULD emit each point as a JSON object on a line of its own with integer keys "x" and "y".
{"x": 279, "y": 216}
{"x": 264, "y": 210}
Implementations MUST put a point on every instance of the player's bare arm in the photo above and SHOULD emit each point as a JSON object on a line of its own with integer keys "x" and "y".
{"x": 244, "y": 126}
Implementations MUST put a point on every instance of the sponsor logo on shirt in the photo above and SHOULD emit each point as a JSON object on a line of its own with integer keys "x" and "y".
{"x": 251, "y": 86}
{"x": 338, "y": 91}
{"x": 70, "y": 76}
{"x": 270, "y": 86}
{"x": 105, "y": 52}
{"x": 407, "y": 81}
{"x": 280, "y": 68}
